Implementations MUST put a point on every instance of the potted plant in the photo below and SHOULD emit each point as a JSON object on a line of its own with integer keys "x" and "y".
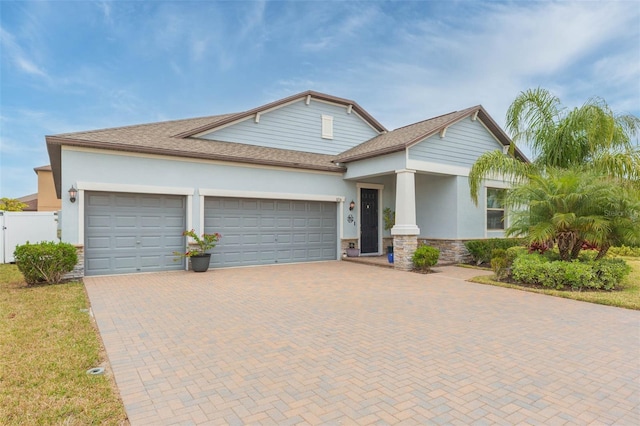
{"x": 389, "y": 217}
{"x": 197, "y": 249}
{"x": 352, "y": 251}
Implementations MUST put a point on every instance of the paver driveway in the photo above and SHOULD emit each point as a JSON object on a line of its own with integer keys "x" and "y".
{"x": 343, "y": 343}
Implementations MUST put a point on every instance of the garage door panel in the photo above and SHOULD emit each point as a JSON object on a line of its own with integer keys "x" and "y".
{"x": 124, "y": 242}
{"x": 256, "y": 231}
{"x": 126, "y": 233}
{"x": 98, "y": 242}
{"x": 124, "y": 200}
{"x": 124, "y": 221}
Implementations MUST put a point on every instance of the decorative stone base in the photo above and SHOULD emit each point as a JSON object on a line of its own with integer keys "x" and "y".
{"x": 386, "y": 242}
{"x": 344, "y": 245}
{"x": 451, "y": 251}
{"x": 77, "y": 274}
{"x": 403, "y": 248}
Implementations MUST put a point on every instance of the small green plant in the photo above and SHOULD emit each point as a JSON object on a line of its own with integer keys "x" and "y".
{"x": 45, "y": 262}
{"x": 389, "y": 217}
{"x": 499, "y": 263}
{"x": 202, "y": 243}
{"x": 425, "y": 257}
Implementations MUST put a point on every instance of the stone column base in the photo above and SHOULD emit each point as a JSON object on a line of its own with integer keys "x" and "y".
{"x": 403, "y": 248}
{"x": 78, "y": 271}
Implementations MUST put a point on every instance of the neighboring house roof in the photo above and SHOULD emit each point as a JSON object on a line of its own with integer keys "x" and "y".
{"x": 46, "y": 168}
{"x": 404, "y": 137}
{"x": 31, "y": 201}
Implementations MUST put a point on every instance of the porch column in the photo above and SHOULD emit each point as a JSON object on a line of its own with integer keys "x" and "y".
{"x": 405, "y": 232}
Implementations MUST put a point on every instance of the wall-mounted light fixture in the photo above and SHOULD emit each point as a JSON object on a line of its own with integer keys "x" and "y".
{"x": 72, "y": 194}
{"x": 352, "y": 205}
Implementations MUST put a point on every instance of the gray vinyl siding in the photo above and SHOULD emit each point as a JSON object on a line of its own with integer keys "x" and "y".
{"x": 298, "y": 127}
{"x": 463, "y": 143}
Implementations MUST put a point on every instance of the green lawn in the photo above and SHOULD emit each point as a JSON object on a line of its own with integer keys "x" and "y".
{"x": 47, "y": 344}
{"x": 628, "y": 296}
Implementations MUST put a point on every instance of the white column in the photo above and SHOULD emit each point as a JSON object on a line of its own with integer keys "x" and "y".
{"x": 405, "y": 204}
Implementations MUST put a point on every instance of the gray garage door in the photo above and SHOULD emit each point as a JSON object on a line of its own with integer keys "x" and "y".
{"x": 127, "y": 233}
{"x": 264, "y": 232}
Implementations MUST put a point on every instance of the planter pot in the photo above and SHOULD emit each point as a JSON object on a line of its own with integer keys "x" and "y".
{"x": 201, "y": 262}
{"x": 353, "y": 252}
{"x": 390, "y": 257}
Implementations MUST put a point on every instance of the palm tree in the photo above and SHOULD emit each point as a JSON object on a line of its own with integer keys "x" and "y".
{"x": 591, "y": 135}
{"x": 570, "y": 207}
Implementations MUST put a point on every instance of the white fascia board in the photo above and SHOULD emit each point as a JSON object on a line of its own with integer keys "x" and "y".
{"x": 138, "y": 189}
{"x": 445, "y": 169}
{"x": 209, "y": 192}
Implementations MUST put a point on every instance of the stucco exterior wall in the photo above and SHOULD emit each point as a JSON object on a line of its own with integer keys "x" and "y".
{"x": 47, "y": 200}
{"x": 83, "y": 167}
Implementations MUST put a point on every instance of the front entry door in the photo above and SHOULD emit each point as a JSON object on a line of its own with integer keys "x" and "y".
{"x": 368, "y": 221}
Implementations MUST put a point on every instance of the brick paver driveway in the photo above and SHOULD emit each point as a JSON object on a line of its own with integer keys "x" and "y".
{"x": 343, "y": 343}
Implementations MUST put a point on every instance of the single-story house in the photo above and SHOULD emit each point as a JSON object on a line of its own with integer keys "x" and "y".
{"x": 295, "y": 180}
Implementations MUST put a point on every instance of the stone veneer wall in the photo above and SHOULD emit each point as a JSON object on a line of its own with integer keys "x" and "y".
{"x": 451, "y": 251}
{"x": 403, "y": 248}
{"x": 77, "y": 274}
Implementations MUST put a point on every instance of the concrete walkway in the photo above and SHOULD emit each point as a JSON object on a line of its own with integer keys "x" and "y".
{"x": 343, "y": 343}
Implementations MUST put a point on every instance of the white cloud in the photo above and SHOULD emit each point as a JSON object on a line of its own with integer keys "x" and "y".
{"x": 16, "y": 54}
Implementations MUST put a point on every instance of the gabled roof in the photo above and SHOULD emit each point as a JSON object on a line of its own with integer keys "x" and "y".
{"x": 404, "y": 137}
{"x": 281, "y": 102}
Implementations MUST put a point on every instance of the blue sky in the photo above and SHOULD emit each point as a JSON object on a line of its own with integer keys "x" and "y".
{"x": 70, "y": 66}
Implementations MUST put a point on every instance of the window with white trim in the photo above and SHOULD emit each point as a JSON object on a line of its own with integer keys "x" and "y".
{"x": 495, "y": 209}
{"x": 327, "y": 126}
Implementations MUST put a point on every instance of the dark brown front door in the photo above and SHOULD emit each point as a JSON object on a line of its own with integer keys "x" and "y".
{"x": 368, "y": 221}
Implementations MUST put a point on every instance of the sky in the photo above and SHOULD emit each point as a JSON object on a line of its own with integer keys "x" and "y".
{"x": 70, "y": 66}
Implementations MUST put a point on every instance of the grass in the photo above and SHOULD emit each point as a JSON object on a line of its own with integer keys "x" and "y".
{"x": 48, "y": 344}
{"x": 627, "y": 296}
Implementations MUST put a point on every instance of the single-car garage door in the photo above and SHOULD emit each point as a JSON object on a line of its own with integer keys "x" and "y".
{"x": 263, "y": 232}
{"x": 127, "y": 233}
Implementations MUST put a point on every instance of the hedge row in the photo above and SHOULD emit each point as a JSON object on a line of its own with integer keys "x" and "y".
{"x": 481, "y": 250}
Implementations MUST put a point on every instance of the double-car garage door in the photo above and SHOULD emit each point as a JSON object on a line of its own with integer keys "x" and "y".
{"x": 264, "y": 232}
{"x": 127, "y": 233}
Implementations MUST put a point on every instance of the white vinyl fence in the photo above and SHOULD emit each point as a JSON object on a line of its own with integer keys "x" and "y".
{"x": 19, "y": 227}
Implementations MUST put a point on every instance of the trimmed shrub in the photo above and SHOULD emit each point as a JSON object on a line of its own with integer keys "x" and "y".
{"x": 512, "y": 252}
{"x": 45, "y": 262}
{"x": 425, "y": 257}
{"x": 529, "y": 269}
{"x": 499, "y": 263}
{"x": 481, "y": 249}
{"x": 624, "y": 251}
{"x": 536, "y": 269}
{"x": 611, "y": 272}
{"x": 574, "y": 274}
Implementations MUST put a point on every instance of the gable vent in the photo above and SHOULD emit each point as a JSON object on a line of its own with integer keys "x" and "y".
{"x": 327, "y": 127}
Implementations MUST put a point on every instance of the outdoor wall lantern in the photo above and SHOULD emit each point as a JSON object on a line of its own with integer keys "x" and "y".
{"x": 72, "y": 194}
{"x": 352, "y": 205}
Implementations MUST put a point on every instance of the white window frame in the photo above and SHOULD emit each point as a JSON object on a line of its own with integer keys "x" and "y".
{"x": 488, "y": 209}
